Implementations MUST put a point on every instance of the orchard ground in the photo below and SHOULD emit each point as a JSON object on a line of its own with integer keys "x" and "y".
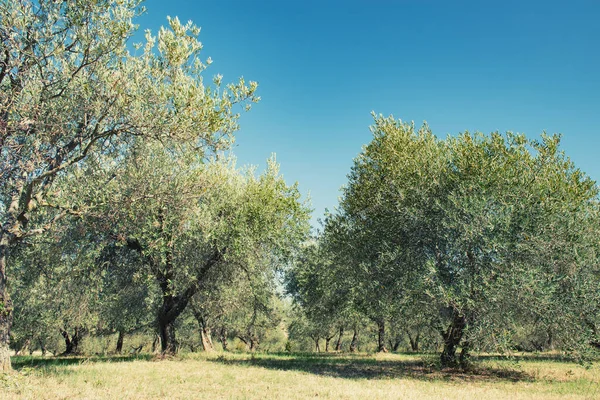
{"x": 298, "y": 376}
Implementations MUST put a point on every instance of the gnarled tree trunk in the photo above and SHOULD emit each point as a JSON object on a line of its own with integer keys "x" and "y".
{"x": 71, "y": 341}
{"x": 381, "y": 336}
{"x": 6, "y": 308}
{"x": 327, "y": 341}
{"x": 452, "y": 337}
{"x": 223, "y": 338}
{"x": 253, "y": 343}
{"x": 414, "y": 341}
{"x": 173, "y": 304}
{"x": 354, "y": 342}
{"x": 207, "y": 344}
{"x": 166, "y": 328}
{"x": 155, "y": 343}
{"x": 395, "y": 344}
{"x": 119, "y": 348}
{"x": 338, "y": 345}
{"x": 42, "y": 347}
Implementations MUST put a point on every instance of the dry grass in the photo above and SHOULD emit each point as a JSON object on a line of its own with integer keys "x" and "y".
{"x": 244, "y": 376}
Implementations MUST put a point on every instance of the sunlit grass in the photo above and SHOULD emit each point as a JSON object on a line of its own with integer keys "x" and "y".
{"x": 296, "y": 376}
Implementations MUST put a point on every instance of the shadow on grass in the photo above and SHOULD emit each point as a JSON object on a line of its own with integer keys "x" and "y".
{"x": 367, "y": 367}
{"x": 20, "y": 362}
{"x": 557, "y": 358}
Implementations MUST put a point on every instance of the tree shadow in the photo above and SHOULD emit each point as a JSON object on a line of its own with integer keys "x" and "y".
{"x": 356, "y": 367}
{"x": 558, "y": 358}
{"x": 21, "y": 362}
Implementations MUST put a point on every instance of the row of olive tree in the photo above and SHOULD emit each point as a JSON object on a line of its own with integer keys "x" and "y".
{"x": 164, "y": 229}
{"x": 110, "y": 150}
{"x": 475, "y": 236}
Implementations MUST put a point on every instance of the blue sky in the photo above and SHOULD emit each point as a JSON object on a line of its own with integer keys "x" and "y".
{"x": 323, "y": 66}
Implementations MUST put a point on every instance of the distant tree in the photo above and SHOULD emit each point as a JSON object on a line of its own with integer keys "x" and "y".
{"x": 127, "y": 301}
{"x": 57, "y": 287}
{"x": 243, "y": 305}
{"x": 321, "y": 294}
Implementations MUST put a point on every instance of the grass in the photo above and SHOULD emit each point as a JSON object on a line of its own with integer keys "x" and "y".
{"x": 295, "y": 376}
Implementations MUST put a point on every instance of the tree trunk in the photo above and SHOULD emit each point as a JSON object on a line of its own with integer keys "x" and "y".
{"x": 354, "y": 342}
{"x": 76, "y": 339}
{"x": 223, "y": 338}
{"x": 452, "y": 338}
{"x": 253, "y": 343}
{"x": 173, "y": 305}
{"x": 71, "y": 342}
{"x": 170, "y": 310}
{"x": 414, "y": 341}
{"x": 6, "y": 308}
{"x": 24, "y": 346}
{"x": 155, "y": 343}
{"x": 381, "y": 336}
{"x": 327, "y": 341}
{"x": 119, "y": 348}
{"x": 166, "y": 330}
{"x": 550, "y": 341}
{"x": 69, "y": 347}
{"x": 338, "y": 345}
{"x": 42, "y": 347}
{"x": 207, "y": 344}
{"x": 68, "y": 343}
{"x": 317, "y": 348}
{"x": 395, "y": 344}
{"x": 250, "y": 341}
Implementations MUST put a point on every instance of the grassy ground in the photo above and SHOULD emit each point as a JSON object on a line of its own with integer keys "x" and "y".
{"x": 298, "y": 376}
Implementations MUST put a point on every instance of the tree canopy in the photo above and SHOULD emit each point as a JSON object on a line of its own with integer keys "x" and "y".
{"x": 71, "y": 89}
{"x": 490, "y": 230}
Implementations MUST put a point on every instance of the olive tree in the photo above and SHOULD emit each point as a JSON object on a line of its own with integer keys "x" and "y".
{"x": 70, "y": 88}
{"x": 192, "y": 222}
{"x": 492, "y": 229}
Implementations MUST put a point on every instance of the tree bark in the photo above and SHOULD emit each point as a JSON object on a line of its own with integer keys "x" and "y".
{"x": 207, "y": 344}
{"x": 338, "y": 345}
{"x": 155, "y": 342}
{"x": 327, "y": 341}
{"x": 71, "y": 342}
{"x": 414, "y": 341}
{"x": 395, "y": 344}
{"x": 452, "y": 337}
{"x": 550, "y": 341}
{"x": 42, "y": 347}
{"x": 119, "y": 348}
{"x": 223, "y": 338}
{"x": 166, "y": 330}
{"x": 317, "y": 347}
{"x": 6, "y": 308}
{"x": 381, "y": 336}
{"x": 68, "y": 342}
{"x": 253, "y": 343}
{"x": 354, "y": 342}
{"x": 174, "y": 305}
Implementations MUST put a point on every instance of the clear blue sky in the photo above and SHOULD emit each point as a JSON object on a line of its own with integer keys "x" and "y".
{"x": 322, "y": 66}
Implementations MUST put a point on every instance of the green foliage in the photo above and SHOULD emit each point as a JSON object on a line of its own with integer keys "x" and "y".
{"x": 481, "y": 234}
{"x": 72, "y": 93}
